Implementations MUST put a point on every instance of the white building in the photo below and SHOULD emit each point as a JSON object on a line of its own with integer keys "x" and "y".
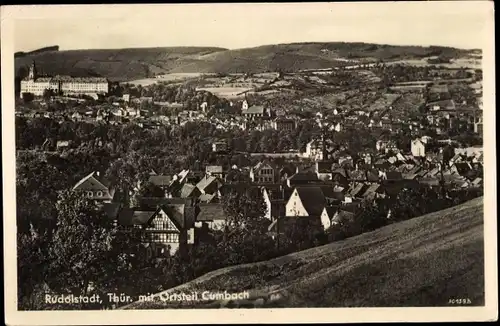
{"x": 67, "y": 85}
{"x": 418, "y": 148}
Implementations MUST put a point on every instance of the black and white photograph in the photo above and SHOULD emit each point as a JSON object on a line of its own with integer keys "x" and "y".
{"x": 197, "y": 161}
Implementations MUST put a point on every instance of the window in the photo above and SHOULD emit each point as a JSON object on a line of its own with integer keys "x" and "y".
{"x": 90, "y": 194}
{"x": 173, "y": 237}
{"x": 163, "y": 237}
{"x": 99, "y": 194}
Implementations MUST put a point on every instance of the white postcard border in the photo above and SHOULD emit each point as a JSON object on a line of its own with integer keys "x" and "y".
{"x": 285, "y": 315}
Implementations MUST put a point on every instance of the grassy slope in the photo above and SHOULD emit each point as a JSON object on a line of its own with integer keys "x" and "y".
{"x": 129, "y": 64}
{"x": 424, "y": 261}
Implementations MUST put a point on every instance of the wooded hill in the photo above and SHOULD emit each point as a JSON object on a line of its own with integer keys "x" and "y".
{"x": 137, "y": 63}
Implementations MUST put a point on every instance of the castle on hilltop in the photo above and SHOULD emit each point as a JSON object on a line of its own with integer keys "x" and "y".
{"x": 66, "y": 85}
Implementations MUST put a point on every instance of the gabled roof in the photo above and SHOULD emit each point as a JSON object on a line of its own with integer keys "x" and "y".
{"x": 182, "y": 175}
{"x": 213, "y": 169}
{"x": 456, "y": 157}
{"x": 176, "y": 212}
{"x": 129, "y": 217}
{"x": 312, "y": 198}
{"x": 187, "y": 190}
{"x": 254, "y": 109}
{"x": 207, "y": 198}
{"x": 152, "y": 203}
{"x": 356, "y": 190}
{"x": 331, "y": 210}
{"x": 392, "y": 159}
{"x": 328, "y": 190}
{"x": 205, "y": 182}
{"x": 415, "y": 169}
{"x": 422, "y": 173}
{"x": 393, "y": 188}
{"x": 91, "y": 182}
{"x": 477, "y": 181}
{"x": 261, "y": 165}
{"x": 429, "y": 181}
{"x": 211, "y": 212}
{"x": 394, "y": 175}
{"x": 160, "y": 180}
{"x": 179, "y": 214}
{"x": 409, "y": 176}
{"x": 462, "y": 168}
{"x": 372, "y": 189}
{"x": 324, "y": 166}
{"x": 304, "y": 176}
{"x": 433, "y": 172}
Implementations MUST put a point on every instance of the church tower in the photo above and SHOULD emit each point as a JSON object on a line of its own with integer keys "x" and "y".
{"x": 32, "y": 72}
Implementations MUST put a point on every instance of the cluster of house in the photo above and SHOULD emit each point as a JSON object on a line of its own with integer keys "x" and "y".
{"x": 129, "y": 110}
{"x": 443, "y": 115}
{"x": 186, "y": 205}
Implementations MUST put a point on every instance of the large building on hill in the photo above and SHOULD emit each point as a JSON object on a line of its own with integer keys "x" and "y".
{"x": 66, "y": 85}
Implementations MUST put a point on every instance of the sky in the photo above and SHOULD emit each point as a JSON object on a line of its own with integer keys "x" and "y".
{"x": 246, "y": 25}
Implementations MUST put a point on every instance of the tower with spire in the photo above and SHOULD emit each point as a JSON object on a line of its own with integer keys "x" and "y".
{"x": 32, "y": 74}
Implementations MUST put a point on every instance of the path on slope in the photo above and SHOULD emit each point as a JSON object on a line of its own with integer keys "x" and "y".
{"x": 425, "y": 261}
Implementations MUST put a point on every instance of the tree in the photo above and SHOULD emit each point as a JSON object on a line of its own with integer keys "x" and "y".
{"x": 82, "y": 242}
{"x": 244, "y": 238}
{"x": 32, "y": 268}
{"x": 28, "y": 97}
{"x": 414, "y": 202}
{"x": 48, "y": 93}
{"x": 150, "y": 190}
{"x": 244, "y": 208}
{"x": 302, "y": 233}
{"x": 370, "y": 217}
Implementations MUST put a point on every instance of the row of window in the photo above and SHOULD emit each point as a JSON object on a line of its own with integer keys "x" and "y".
{"x": 163, "y": 223}
{"x": 163, "y": 237}
{"x": 96, "y": 194}
{"x": 266, "y": 171}
{"x": 84, "y": 87}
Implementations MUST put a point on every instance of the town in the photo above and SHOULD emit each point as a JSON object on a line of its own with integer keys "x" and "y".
{"x": 291, "y": 160}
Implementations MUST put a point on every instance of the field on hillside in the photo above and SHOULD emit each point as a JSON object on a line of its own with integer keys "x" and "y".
{"x": 169, "y": 78}
{"x": 425, "y": 261}
{"x": 226, "y": 92}
{"x": 455, "y": 64}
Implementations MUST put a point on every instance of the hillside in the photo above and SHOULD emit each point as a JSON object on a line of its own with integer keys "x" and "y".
{"x": 37, "y": 51}
{"x": 424, "y": 261}
{"x": 115, "y": 64}
{"x": 137, "y": 63}
{"x": 301, "y": 56}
